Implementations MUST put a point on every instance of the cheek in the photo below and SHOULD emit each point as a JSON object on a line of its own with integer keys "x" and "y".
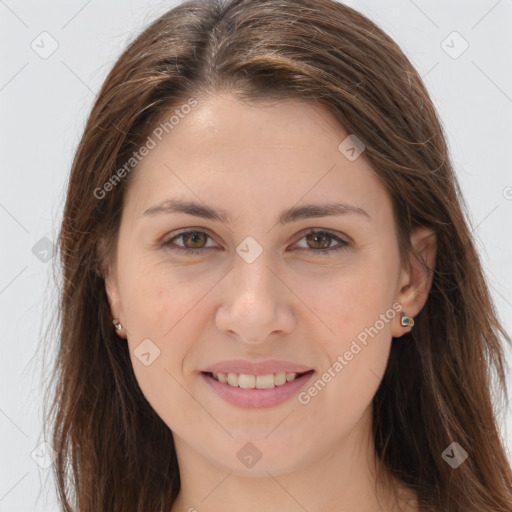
{"x": 157, "y": 297}
{"x": 346, "y": 385}
{"x": 166, "y": 306}
{"x": 163, "y": 323}
{"x": 358, "y": 310}
{"x": 352, "y": 298}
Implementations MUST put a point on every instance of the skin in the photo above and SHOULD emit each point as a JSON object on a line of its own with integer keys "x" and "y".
{"x": 291, "y": 303}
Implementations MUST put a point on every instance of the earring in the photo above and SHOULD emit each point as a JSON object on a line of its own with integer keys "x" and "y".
{"x": 117, "y": 324}
{"x": 406, "y": 321}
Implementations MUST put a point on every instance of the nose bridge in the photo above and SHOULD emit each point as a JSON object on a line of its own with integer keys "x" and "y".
{"x": 252, "y": 304}
{"x": 251, "y": 268}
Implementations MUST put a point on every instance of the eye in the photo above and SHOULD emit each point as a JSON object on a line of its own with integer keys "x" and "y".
{"x": 196, "y": 239}
{"x": 194, "y": 242}
{"x": 323, "y": 239}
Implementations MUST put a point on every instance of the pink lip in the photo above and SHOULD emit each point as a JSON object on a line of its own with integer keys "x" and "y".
{"x": 257, "y": 398}
{"x": 252, "y": 368}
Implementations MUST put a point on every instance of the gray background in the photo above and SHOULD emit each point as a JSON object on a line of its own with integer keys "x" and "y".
{"x": 44, "y": 103}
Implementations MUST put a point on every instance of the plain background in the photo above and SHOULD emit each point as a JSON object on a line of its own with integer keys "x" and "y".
{"x": 44, "y": 103}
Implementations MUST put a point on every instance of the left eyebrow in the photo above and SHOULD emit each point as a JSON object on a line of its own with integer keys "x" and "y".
{"x": 287, "y": 216}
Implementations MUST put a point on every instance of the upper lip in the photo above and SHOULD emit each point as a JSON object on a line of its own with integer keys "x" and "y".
{"x": 253, "y": 368}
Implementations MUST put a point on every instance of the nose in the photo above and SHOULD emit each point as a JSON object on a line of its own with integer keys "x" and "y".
{"x": 257, "y": 304}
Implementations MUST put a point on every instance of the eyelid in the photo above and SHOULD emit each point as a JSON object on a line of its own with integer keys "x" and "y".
{"x": 176, "y": 234}
{"x": 342, "y": 243}
{"x": 331, "y": 233}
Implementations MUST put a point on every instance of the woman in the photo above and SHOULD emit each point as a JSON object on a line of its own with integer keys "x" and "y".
{"x": 271, "y": 295}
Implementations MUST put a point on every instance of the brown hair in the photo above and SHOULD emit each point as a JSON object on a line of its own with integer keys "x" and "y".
{"x": 115, "y": 453}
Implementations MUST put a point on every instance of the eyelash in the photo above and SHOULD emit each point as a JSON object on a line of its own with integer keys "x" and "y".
{"x": 191, "y": 252}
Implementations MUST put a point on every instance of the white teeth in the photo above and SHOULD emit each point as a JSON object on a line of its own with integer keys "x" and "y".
{"x": 280, "y": 378}
{"x": 255, "y": 381}
{"x": 233, "y": 379}
{"x": 268, "y": 381}
{"x": 247, "y": 381}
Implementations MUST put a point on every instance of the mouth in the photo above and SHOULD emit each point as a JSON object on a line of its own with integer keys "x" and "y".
{"x": 246, "y": 381}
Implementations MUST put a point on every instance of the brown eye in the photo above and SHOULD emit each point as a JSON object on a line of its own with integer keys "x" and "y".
{"x": 193, "y": 242}
{"x": 320, "y": 240}
{"x": 197, "y": 239}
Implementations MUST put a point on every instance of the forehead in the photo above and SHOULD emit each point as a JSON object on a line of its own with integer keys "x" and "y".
{"x": 225, "y": 150}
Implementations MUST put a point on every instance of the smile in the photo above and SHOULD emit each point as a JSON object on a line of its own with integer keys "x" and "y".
{"x": 256, "y": 381}
{"x": 256, "y": 391}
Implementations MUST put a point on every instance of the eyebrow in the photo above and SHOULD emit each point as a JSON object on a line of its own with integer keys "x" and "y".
{"x": 287, "y": 216}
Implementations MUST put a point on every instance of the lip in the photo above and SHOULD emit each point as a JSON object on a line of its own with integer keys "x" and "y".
{"x": 256, "y": 368}
{"x": 257, "y": 398}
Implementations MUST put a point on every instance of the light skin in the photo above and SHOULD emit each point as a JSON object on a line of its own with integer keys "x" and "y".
{"x": 291, "y": 303}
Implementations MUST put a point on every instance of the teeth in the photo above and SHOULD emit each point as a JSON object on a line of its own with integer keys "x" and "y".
{"x": 255, "y": 381}
{"x": 246, "y": 381}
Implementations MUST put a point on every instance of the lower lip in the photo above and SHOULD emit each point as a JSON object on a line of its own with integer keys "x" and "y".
{"x": 257, "y": 398}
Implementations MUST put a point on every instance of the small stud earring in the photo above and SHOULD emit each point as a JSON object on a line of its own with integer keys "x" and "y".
{"x": 117, "y": 324}
{"x": 407, "y": 321}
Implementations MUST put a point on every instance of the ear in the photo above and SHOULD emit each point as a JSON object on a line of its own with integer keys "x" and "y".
{"x": 415, "y": 283}
{"x": 112, "y": 291}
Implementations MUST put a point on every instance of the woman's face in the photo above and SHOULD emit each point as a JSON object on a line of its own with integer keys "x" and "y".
{"x": 258, "y": 295}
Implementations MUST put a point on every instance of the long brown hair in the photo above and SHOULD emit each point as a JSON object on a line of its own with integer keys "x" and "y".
{"x": 114, "y": 453}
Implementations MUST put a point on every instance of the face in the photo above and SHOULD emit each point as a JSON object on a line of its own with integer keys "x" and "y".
{"x": 266, "y": 287}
